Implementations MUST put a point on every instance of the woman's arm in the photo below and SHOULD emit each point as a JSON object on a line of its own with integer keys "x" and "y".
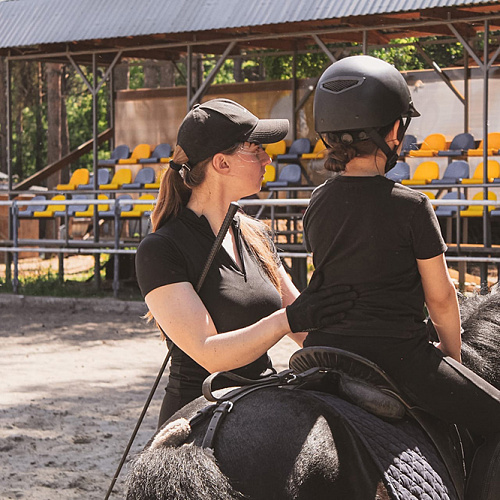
{"x": 288, "y": 294}
{"x": 183, "y": 317}
{"x": 442, "y": 304}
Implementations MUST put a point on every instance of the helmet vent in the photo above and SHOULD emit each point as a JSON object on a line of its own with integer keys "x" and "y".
{"x": 339, "y": 85}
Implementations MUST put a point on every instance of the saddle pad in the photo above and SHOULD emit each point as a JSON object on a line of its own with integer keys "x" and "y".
{"x": 411, "y": 466}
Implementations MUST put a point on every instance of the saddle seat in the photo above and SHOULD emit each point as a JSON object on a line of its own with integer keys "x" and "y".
{"x": 355, "y": 379}
{"x": 366, "y": 385}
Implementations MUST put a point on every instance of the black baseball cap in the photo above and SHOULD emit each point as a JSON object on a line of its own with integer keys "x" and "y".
{"x": 216, "y": 125}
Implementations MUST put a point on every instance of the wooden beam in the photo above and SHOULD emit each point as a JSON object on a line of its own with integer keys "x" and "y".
{"x": 86, "y": 147}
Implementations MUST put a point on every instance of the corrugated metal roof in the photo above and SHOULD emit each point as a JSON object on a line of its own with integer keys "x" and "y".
{"x": 34, "y": 22}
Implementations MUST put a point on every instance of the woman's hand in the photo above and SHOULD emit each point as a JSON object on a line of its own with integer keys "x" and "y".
{"x": 318, "y": 307}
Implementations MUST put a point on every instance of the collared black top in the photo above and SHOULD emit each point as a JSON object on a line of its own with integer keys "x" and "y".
{"x": 367, "y": 232}
{"x": 234, "y": 297}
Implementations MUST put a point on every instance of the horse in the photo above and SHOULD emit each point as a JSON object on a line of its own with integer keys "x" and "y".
{"x": 302, "y": 444}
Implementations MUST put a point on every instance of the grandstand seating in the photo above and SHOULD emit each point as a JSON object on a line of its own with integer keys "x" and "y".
{"x": 160, "y": 154}
{"x": 477, "y": 210}
{"x": 409, "y": 144}
{"x": 145, "y": 176}
{"x": 30, "y": 209}
{"x": 275, "y": 149}
{"x": 477, "y": 178}
{"x": 156, "y": 183}
{"x": 493, "y": 146}
{"x": 459, "y": 146}
{"x": 270, "y": 174}
{"x": 455, "y": 172}
{"x": 72, "y": 209}
{"x": 89, "y": 212}
{"x": 141, "y": 151}
{"x": 80, "y": 176}
{"x": 450, "y": 210}
{"x": 400, "y": 172}
{"x": 122, "y": 176}
{"x": 432, "y": 144}
{"x": 290, "y": 175}
{"x": 139, "y": 210}
{"x": 120, "y": 152}
{"x": 102, "y": 178}
{"x": 51, "y": 209}
{"x": 296, "y": 150}
{"x": 424, "y": 174}
{"x": 317, "y": 153}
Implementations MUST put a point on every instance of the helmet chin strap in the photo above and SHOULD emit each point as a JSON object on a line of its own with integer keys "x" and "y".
{"x": 390, "y": 153}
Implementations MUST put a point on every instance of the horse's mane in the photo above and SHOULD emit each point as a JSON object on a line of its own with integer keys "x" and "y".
{"x": 481, "y": 337}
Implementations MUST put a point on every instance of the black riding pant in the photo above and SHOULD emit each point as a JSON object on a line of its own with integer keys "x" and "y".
{"x": 439, "y": 384}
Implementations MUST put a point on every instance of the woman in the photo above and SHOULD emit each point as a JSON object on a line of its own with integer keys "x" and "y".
{"x": 247, "y": 302}
{"x": 384, "y": 240}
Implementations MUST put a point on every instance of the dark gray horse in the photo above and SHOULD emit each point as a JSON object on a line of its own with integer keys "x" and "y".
{"x": 301, "y": 444}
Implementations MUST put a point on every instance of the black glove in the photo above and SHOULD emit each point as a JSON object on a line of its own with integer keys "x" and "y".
{"x": 318, "y": 307}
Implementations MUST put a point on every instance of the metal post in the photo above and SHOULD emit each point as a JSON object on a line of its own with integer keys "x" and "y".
{"x": 486, "y": 213}
{"x": 365, "y": 42}
{"x": 466, "y": 91}
{"x": 116, "y": 257}
{"x": 95, "y": 133}
{"x": 189, "y": 74}
{"x": 294, "y": 94}
{"x": 8, "y": 81}
{"x": 14, "y": 212}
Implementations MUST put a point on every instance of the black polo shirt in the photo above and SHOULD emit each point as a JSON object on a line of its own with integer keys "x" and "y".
{"x": 367, "y": 232}
{"x": 234, "y": 297}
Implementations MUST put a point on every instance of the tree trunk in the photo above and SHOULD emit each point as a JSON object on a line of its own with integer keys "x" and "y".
{"x": 167, "y": 74}
{"x": 151, "y": 77}
{"x": 53, "y": 74}
{"x": 40, "y": 161}
{"x": 121, "y": 76}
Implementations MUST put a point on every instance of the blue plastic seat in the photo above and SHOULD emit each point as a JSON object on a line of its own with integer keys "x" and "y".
{"x": 162, "y": 152}
{"x": 145, "y": 176}
{"x": 102, "y": 178}
{"x": 72, "y": 209}
{"x": 30, "y": 209}
{"x": 450, "y": 210}
{"x": 400, "y": 171}
{"x": 124, "y": 207}
{"x": 409, "y": 144}
{"x": 290, "y": 175}
{"x": 459, "y": 146}
{"x": 454, "y": 173}
{"x": 119, "y": 153}
{"x": 297, "y": 149}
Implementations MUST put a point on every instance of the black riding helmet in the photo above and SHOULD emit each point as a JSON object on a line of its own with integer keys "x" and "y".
{"x": 356, "y": 97}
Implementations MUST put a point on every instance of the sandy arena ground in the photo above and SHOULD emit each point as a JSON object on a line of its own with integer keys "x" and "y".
{"x": 75, "y": 375}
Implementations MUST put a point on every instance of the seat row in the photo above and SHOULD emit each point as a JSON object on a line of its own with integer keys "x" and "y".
{"x": 462, "y": 144}
{"x": 470, "y": 211}
{"x": 457, "y": 172}
{"x": 146, "y": 178}
{"x": 141, "y": 154}
{"x": 128, "y": 208}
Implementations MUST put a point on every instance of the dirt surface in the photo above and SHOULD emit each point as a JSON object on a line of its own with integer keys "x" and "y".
{"x": 75, "y": 375}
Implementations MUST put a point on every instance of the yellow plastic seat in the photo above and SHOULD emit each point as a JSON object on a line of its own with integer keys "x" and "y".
{"x": 493, "y": 146}
{"x": 51, "y": 209}
{"x": 424, "y": 174}
{"x": 156, "y": 184}
{"x": 80, "y": 176}
{"x": 275, "y": 149}
{"x": 139, "y": 210}
{"x": 478, "y": 210}
{"x": 140, "y": 151}
{"x": 122, "y": 176}
{"x": 431, "y": 196}
{"x": 431, "y": 145}
{"x": 317, "y": 153}
{"x": 492, "y": 172}
{"x": 90, "y": 210}
{"x": 269, "y": 175}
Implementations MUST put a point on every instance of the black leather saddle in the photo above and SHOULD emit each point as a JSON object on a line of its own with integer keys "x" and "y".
{"x": 366, "y": 385}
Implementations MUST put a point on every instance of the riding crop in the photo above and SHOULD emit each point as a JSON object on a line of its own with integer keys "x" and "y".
{"x": 226, "y": 223}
